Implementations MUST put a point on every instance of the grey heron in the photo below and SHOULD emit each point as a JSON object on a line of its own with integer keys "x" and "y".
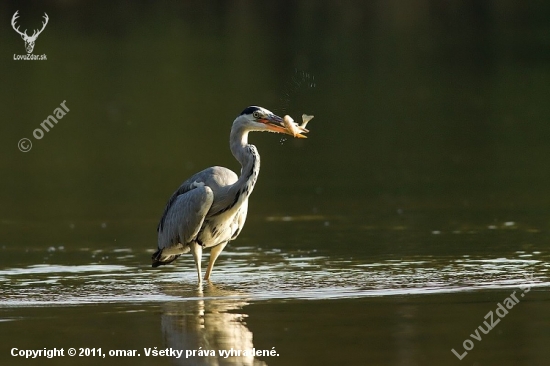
{"x": 209, "y": 209}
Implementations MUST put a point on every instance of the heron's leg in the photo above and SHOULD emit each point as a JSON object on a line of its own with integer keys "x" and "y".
{"x": 214, "y": 253}
{"x": 196, "y": 249}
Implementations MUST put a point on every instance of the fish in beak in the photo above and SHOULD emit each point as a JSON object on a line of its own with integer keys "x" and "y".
{"x": 284, "y": 125}
{"x": 293, "y": 128}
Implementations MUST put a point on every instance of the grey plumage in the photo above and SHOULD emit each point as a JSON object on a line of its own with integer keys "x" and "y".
{"x": 209, "y": 209}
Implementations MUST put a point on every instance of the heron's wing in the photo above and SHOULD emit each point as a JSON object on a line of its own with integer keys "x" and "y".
{"x": 214, "y": 177}
{"x": 184, "y": 216}
{"x": 186, "y": 210}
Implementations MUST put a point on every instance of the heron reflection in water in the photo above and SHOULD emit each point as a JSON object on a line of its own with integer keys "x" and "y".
{"x": 209, "y": 321}
{"x": 209, "y": 209}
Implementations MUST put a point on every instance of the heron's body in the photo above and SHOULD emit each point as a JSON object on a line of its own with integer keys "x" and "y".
{"x": 209, "y": 209}
{"x": 222, "y": 221}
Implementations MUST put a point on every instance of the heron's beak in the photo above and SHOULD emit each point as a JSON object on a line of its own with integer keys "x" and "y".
{"x": 275, "y": 123}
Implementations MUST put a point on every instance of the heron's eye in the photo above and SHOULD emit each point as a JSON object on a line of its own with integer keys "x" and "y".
{"x": 256, "y": 114}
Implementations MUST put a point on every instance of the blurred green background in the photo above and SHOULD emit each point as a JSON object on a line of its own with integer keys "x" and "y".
{"x": 416, "y": 103}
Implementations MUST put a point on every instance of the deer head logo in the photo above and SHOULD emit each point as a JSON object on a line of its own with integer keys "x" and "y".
{"x": 29, "y": 41}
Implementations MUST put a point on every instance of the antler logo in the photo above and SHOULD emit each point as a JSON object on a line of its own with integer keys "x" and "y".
{"x": 29, "y": 41}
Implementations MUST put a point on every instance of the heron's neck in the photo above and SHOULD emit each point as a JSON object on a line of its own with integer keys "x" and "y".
{"x": 249, "y": 158}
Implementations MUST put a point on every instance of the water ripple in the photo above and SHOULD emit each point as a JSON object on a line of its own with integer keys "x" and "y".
{"x": 260, "y": 275}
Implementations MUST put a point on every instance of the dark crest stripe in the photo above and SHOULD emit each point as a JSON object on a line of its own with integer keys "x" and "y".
{"x": 250, "y": 110}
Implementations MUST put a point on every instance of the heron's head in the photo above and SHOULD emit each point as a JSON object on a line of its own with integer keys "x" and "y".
{"x": 256, "y": 118}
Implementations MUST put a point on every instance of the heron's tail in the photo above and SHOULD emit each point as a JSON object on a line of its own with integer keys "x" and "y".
{"x": 160, "y": 259}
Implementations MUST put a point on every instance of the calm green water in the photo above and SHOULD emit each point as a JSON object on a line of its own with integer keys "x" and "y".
{"x": 418, "y": 203}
